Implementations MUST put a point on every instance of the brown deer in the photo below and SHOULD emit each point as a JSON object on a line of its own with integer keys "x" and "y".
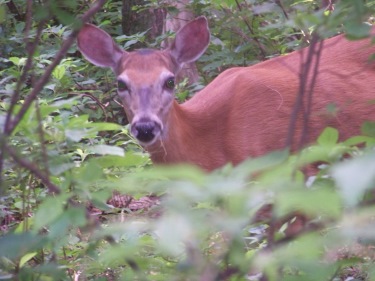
{"x": 245, "y": 111}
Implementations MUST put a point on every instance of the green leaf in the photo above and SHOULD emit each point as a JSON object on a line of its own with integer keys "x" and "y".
{"x": 49, "y": 271}
{"x": 354, "y": 177}
{"x": 312, "y": 202}
{"x": 63, "y": 16}
{"x": 59, "y": 72}
{"x": 26, "y": 258}
{"x": 130, "y": 43}
{"x": 17, "y": 245}
{"x": 180, "y": 171}
{"x": 72, "y": 217}
{"x": 304, "y": 251}
{"x": 358, "y": 140}
{"x": 64, "y": 103}
{"x": 262, "y": 163}
{"x": 172, "y": 242}
{"x": 59, "y": 168}
{"x": 226, "y": 3}
{"x": 75, "y": 134}
{"x": 14, "y": 60}
{"x": 357, "y": 30}
{"x": 49, "y": 211}
{"x": 105, "y": 126}
{"x": 328, "y": 137}
{"x": 368, "y": 128}
{"x": 130, "y": 159}
{"x": 371, "y": 273}
{"x": 103, "y": 149}
{"x": 89, "y": 173}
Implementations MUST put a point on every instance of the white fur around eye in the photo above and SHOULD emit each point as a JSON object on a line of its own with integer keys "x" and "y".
{"x": 123, "y": 88}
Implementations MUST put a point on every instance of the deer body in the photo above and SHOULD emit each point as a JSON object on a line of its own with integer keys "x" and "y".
{"x": 245, "y": 111}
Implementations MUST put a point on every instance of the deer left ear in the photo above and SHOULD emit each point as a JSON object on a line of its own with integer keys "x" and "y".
{"x": 191, "y": 41}
{"x": 98, "y": 47}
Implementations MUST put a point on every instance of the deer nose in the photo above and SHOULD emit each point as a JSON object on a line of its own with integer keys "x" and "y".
{"x": 146, "y": 131}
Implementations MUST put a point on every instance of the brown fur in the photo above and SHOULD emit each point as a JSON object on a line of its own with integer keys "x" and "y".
{"x": 246, "y": 111}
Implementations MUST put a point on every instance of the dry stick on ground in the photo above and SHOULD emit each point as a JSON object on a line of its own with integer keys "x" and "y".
{"x": 11, "y": 123}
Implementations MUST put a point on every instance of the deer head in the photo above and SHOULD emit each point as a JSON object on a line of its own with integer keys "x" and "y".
{"x": 146, "y": 77}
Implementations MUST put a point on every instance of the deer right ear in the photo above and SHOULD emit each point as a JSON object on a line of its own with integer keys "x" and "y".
{"x": 98, "y": 47}
{"x": 191, "y": 41}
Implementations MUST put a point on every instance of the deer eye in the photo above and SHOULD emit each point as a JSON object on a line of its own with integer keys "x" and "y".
{"x": 121, "y": 86}
{"x": 169, "y": 83}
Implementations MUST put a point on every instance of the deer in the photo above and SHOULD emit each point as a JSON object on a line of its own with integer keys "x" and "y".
{"x": 245, "y": 111}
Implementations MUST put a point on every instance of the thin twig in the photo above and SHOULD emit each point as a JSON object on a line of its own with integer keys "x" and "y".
{"x": 91, "y": 96}
{"x": 52, "y": 188}
{"x": 303, "y": 82}
{"x": 278, "y": 3}
{"x": 15, "y": 11}
{"x": 252, "y": 31}
{"x": 310, "y": 94}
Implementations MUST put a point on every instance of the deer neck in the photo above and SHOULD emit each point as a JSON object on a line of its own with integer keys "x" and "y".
{"x": 177, "y": 139}
{"x": 188, "y": 131}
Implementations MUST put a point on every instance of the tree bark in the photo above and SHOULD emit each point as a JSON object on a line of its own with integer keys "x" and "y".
{"x": 158, "y": 22}
{"x": 138, "y": 21}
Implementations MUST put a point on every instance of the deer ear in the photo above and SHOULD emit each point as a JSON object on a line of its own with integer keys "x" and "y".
{"x": 98, "y": 47}
{"x": 191, "y": 41}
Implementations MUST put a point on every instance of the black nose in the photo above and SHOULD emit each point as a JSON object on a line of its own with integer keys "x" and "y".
{"x": 145, "y": 131}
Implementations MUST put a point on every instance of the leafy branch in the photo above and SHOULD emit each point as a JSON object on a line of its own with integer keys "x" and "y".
{"x": 11, "y": 123}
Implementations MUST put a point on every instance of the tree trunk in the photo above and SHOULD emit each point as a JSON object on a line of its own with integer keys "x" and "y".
{"x": 159, "y": 22}
{"x": 135, "y": 22}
